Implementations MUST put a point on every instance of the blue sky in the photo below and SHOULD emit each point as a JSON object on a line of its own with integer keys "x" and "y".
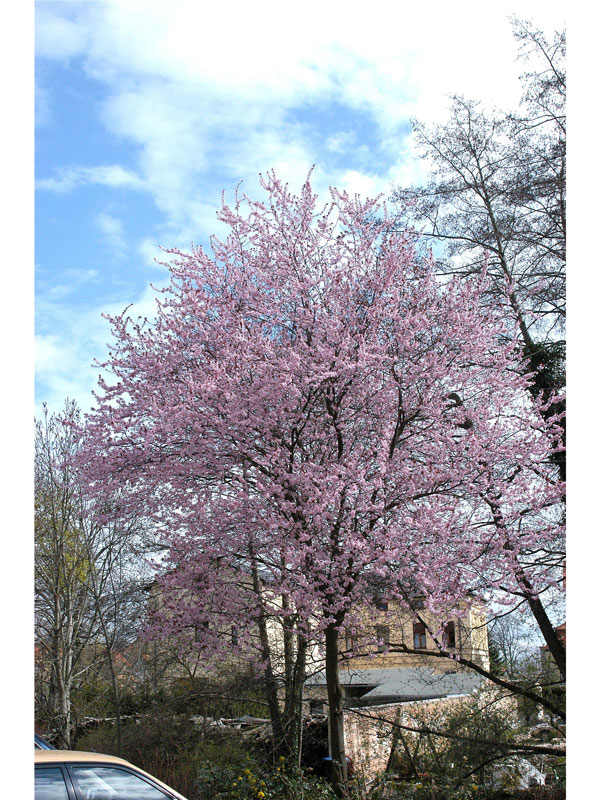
{"x": 146, "y": 111}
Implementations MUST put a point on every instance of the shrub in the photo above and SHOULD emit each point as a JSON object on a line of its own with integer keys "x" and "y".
{"x": 169, "y": 746}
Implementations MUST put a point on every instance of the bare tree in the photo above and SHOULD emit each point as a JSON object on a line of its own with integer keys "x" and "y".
{"x": 511, "y": 640}
{"x": 65, "y": 616}
{"x": 88, "y": 576}
{"x": 496, "y": 201}
{"x": 116, "y": 590}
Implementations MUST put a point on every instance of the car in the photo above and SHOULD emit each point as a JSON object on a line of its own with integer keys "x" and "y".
{"x": 77, "y": 775}
{"x": 41, "y": 744}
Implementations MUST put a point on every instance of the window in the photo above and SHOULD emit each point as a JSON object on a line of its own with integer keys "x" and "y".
{"x": 200, "y": 631}
{"x": 418, "y": 602}
{"x": 100, "y": 781}
{"x": 449, "y": 638}
{"x": 50, "y": 784}
{"x": 349, "y": 639}
{"x": 383, "y": 635}
{"x": 381, "y": 605}
{"x": 234, "y": 635}
{"x": 419, "y": 635}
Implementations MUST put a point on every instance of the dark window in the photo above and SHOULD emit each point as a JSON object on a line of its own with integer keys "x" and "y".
{"x": 418, "y": 602}
{"x": 349, "y": 639}
{"x": 381, "y": 605}
{"x": 112, "y": 783}
{"x": 449, "y": 635}
{"x": 316, "y": 707}
{"x": 200, "y": 631}
{"x": 50, "y": 784}
{"x": 383, "y": 635}
{"x": 234, "y": 635}
{"x": 419, "y": 635}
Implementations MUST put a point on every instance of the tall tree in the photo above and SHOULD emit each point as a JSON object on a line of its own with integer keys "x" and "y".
{"x": 300, "y": 403}
{"x": 87, "y": 578}
{"x": 115, "y": 586}
{"x": 496, "y": 201}
{"x": 65, "y": 617}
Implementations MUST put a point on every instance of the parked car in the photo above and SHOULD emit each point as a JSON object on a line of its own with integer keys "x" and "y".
{"x": 73, "y": 775}
{"x": 41, "y": 744}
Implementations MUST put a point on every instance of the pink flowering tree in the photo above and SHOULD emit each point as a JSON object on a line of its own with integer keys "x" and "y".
{"x": 311, "y": 406}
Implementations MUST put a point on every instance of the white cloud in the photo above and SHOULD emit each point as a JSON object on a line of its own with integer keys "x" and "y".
{"x": 70, "y": 178}
{"x": 59, "y": 36}
{"x": 355, "y": 182}
{"x": 43, "y": 112}
{"x": 278, "y": 54}
{"x": 49, "y": 355}
{"x": 112, "y": 230}
{"x": 72, "y": 279}
{"x": 62, "y": 362}
{"x": 205, "y": 94}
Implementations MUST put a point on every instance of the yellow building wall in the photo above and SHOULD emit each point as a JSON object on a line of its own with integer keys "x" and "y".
{"x": 470, "y": 634}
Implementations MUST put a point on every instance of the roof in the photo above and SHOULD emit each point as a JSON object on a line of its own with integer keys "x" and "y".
{"x": 405, "y": 683}
{"x": 47, "y": 756}
{"x": 425, "y": 685}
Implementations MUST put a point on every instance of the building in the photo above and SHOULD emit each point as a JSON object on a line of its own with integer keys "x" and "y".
{"x": 378, "y": 662}
{"x": 548, "y": 663}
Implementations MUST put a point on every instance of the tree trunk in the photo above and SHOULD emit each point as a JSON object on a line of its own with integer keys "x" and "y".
{"x": 65, "y": 667}
{"x": 279, "y": 738}
{"x": 116, "y": 702}
{"x": 339, "y": 771}
{"x": 547, "y": 630}
{"x": 64, "y": 711}
{"x": 555, "y": 645}
{"x": 294, "y": 697}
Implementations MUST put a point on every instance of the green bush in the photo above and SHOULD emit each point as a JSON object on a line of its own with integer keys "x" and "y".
{"x": 220, "y": 766}
{"x": 168, "y": 746}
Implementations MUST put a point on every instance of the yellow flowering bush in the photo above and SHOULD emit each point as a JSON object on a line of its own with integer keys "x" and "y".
{"x": 254, "y": 781}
